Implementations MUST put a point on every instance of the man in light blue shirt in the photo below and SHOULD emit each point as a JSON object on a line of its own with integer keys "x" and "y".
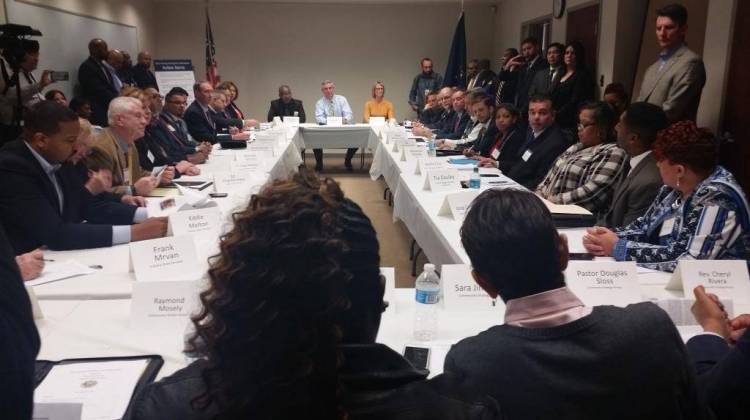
{"x": 332, "y": 105}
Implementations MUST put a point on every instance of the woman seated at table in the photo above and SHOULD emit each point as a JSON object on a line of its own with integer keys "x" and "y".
{"x": 585, "y": 173}
{"x": 507, "y": 142}
{"x": 700, "y": 212}
{"x": 232, "y": 94}
{"x": 378, "y": 106}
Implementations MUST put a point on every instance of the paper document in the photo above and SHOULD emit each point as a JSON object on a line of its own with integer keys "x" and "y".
{"x": 565, "y": 208}
{"x": 59, "y": 270}
{"x": 104, "y": 388}
{"x": 679, "y": 310}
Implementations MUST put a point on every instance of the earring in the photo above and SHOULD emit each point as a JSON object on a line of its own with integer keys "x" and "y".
{"x": 678, "y": 183}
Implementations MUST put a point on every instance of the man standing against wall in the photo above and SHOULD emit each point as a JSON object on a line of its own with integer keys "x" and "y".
{"x": 424, "y": 82}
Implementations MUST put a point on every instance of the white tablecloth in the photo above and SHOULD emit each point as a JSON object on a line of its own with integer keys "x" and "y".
{"x": 313, "y": 136}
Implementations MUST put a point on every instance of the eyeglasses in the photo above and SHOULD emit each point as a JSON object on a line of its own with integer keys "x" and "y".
{"x": 582, "y": 126}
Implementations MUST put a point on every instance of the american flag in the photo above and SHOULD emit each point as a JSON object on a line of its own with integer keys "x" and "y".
{"x": 210, "y": 53}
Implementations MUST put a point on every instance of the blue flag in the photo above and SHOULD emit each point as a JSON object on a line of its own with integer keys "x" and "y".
{"x": 455, "y": 73}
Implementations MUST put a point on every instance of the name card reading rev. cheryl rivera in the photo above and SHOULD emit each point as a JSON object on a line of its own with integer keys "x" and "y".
{"x": 727, "y": 279}
{"x": 604, "y": 282}
{"x": 196, "y": 222}
{"x": 170, "y": 258}
{"x": 442, "y": 180}
{"x": 163, "y": 304}
{"x": 462, "y": 293}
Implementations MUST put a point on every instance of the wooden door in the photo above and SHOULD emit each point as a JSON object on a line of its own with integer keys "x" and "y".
{"x": 735, "y": 147}
{"x": 583, "y": 26}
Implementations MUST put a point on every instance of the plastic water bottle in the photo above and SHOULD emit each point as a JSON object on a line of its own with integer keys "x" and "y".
{"x": 427, "y": 297}
{"x": 475, "y": 181}
{"x": 431, "y": 148}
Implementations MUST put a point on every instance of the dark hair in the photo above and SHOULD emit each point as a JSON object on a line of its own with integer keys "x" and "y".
{"x": 541, "y": 97}
{"x": 78, "y": 102}
{"x": 677, "y": 12}
{"x": 560, "y": 47}
{"x": 476, "y": 94}
{"x": 512, "y": 243}
{"x": 175, "y": 91}
{"x": 513, "y": 51}
{"x": 431, "y": 93}
{"x": 299, "y": 256}
{"x": 487, "y": 101}
{"x": 580, "y": 54}
{"x": 623, "y": 98}
{"x": 30, "y": 46}
{"x": 604, "y": 117}
{"x": 228, "y": 84}
{"x": 686, "y": 144}
{"x": 512, "y": 110}
{"x": 425, "y": 59}
{"x": 530, "y": 40}
{"x": 45, "y": 117}
{"x": 50, "y": 95}
{"x": 484, "y": 64}
{"x": 645, "y": 119}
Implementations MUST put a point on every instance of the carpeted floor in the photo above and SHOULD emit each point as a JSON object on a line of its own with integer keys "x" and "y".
{"x": 394, "y": 238}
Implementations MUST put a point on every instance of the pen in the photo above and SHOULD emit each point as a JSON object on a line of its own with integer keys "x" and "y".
{"x": 47, "y": 260}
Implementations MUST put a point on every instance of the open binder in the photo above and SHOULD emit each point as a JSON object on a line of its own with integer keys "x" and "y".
{"x": 154, "y": 364}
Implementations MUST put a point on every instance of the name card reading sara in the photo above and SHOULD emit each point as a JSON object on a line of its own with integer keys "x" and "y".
{"x": 170, "y": 258}
{"x": 462, "y": 293}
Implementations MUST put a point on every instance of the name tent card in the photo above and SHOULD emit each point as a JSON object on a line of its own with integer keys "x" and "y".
{"x": 232, "y": 181}
{"x": 377, "y": 121}
{"x": 267, "y": 149}
{"x": 251, "y": 165}
{"x": 397, "y": 136}
{"x": 196, "y": 222}
{"x": 291, "y": 121}
{"x": 163, "y": 304}
{"x": 170, "y": 258}
{"x": 604, "y": 282}
{"x": 462, "y": 293}
{"x": 425, "y": 164}
{"x": 442, "y": 180}
{"x": 334, "y": 121}
{"x": 727, "y": 279}
{"x": 412, "y": 152}
{"x": 457, "y": 204}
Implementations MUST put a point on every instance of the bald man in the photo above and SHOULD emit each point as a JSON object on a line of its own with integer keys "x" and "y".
{"x": 144, "y": 77}
{"x": 113, "y": 64}
{"x": 96, "y": 81}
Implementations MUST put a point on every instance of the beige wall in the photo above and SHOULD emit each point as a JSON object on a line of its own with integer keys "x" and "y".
{"x": 138, "y": 13}
{"x": 716, "y": 56}
{"x": 260, "y": 46}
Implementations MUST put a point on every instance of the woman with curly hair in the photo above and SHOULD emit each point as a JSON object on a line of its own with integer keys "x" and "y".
{"x": 700, "y": 212}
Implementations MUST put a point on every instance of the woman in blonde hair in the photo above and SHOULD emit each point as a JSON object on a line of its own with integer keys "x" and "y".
{"x": 378, "y": 106}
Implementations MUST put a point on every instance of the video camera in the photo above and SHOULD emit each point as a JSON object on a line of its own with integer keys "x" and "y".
{"x": 12, "y": 42}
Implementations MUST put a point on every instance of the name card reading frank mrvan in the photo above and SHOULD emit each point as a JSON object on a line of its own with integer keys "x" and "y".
{"x": 196, "y": 222}
{"x": 604, "y": 282}
{"x": 170, "y": 258}
{"x": 334, "y": 121}
{"x": 291, "y": 121}
{"x": 413, "y": 152}
{"x": 425, "y": 164}
{"x": 442, "y": 180}
{"x": 457, "y": 204}
{"x": 158, "y": 305}
{"x": 462, "y": 293}
{"x": 727, "y": 279}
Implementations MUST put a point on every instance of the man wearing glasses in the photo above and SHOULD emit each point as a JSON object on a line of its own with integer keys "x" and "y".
{"x": 171, "y": 118}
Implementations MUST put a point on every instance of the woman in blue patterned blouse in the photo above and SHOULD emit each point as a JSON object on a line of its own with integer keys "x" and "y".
{"x": 585, "y": 173}
{"x": 700, "y": 212}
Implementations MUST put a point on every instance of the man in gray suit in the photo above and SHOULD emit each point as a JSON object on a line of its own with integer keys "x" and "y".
{"x": 676, "y": 80}
{"x": 546, "y": 80}
{"x": 636, "y": 189}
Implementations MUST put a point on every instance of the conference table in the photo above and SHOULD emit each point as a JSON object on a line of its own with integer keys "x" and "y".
{"x": 90, "y": 316}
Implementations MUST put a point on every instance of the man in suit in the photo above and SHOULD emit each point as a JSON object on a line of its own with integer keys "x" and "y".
{"x": 127, "y": 123}
{"x": 200, "y": 125}
{"x": 478, "y": 74}
{"x": 640, "y": 182}
{"x": 96, "y": 82}
{"x": 286, "y": 106}
{"x": 125, "y": 72}
{"x": 170, "y": 117}
{"x": 545, "y": 80}
{"x": 528, "y": 63}
{"x": 454, "y": 125}
{"x": 676, "y": 80}
{"x": 723, "y": 371}
{"x": 43, "y": 201}
{"x": 505, "y": 84}
{"x": 142, "y": 73}
{"x": 544, "y": 143}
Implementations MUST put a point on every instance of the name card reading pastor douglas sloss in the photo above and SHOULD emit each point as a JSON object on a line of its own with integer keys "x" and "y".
{"x": 170, "y": 258}
{"x": 462, "y": 293}
{"x": 196, "y": 222}
{"x": 726, "y": 279}
{"x": 163, "y": 304}
{"x": 442, "y": 180}
{"x": 604, "y": 282}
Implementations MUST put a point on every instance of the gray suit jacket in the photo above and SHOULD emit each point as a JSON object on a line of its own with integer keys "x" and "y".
{"x": 677, "y": 87}
{"x": 542, "y": 84}
{"x": 633, "y": 194}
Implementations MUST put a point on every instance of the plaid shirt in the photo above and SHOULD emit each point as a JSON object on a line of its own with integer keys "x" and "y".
{"x": 712, "y": 223}
{"x": 584, "y": 176}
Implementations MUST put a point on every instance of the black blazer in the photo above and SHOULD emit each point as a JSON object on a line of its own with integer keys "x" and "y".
{"x": 144, "y": 77}
{"x": 723, "y": 374}
{"x": 29, "y": 206}
{"x": 97, "y": 89}
{"x": 222, "y": 122}
{"x": 522, "y": 78}
{"x": 483, "y": 144}
{"x": 569, "y": 95}
{"x": 544, "y": 150}
{"x": 508, "y": 150}
{"x": 483, "y": 79}
{"x": 198, "y": 124}
{"x": 543, "y": 84}
{"x": 19, "y": 337}
{"x": 234, "y": 111}
{"x": 279, "y": 109}
{"x": 449, "y": 130}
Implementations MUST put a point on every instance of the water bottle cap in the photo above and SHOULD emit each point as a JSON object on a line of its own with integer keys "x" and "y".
{"x": 429, "y": 267}
{"x": 476, "y": 169}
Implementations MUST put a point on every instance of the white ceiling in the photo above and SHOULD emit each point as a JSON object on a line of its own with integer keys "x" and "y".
{"x": 336, "y": 1}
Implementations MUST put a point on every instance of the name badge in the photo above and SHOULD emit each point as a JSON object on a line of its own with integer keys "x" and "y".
{"x": 604, "y": 282}
{"x": 196, "y": 222}
{"x": 462, "y": 293}
{"x": 170, "y": 258}
{"x": 158, "y": 305}
{"x": 526, "y": 155}
{"x": 727, "y": 279}
{"x": 457, "y": 204}
{"x": 495, "y": 153}
{"x": 442, "y": 180}
{"x": 170, "y": 128}
{"x": 667, "y": 227}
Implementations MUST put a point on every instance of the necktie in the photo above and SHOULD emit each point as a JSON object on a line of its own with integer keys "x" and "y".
{"x": 499, "y": 94}
{"x": 330, "y": 111}
{"x": 132, "y": 164}
{"x": 551, "y": 77}
{"x": 458, "y": 122}
{"x": 529, "y": 140}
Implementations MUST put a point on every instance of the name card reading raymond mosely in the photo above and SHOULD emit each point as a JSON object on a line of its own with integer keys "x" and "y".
{"x": 462, "y": 293}
{"x": 456, "y": 205}
{"x": 727, "y": 279}
{"x": 442, "y": 180}
{"x": 169, "y": 258}
{"x": 604, "y": 282}
{"x": 413, "y": 152}
{"x": 196, "y": 222}
{"x": 163, "y": 304}
{"x": 425, "y": 164}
